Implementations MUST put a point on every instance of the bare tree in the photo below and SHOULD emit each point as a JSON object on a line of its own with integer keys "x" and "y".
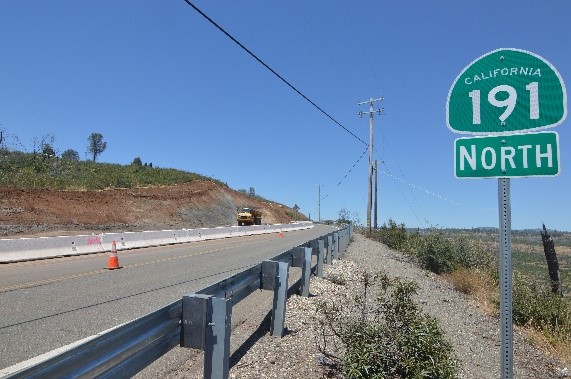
{"x": 96, "y": 145}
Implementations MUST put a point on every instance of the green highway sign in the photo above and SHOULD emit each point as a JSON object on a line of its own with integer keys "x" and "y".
{"x": 506, "y": 91}
{"x": 507, "y": 156}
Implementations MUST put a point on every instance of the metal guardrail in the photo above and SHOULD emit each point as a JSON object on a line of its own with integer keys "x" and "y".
{"x": 201, "y": 320}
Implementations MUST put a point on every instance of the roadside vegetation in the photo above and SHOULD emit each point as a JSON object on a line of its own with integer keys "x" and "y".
{"x": 384, "y": 334}
{"x": 45, "y": 170}
{"x": 469, "y": 261}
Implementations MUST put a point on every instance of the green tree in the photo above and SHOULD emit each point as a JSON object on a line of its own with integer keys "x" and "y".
{"x": 252, "y": 192}
{"x": 137, "y": 162}
{"x": 70, "y": 155}
{"x": 96, "y": 145}
{"x": 48, "y": 151}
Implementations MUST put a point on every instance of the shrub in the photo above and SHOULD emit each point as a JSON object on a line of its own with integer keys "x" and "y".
{"x": 540, "y": 309}
{"x": 441, "y": 253}
{"x": 389, "y": 337}
{"x": 437, "y": 253}
{"x": 392, "y": 235}
{"x": 472, "y": 254}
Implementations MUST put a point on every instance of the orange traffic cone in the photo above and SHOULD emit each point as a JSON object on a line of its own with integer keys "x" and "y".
{"x": 113, "y": 262}
{"x": 280, "y": 234}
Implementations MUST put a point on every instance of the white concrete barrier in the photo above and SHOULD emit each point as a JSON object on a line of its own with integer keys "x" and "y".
{"x": 22, "y": 249}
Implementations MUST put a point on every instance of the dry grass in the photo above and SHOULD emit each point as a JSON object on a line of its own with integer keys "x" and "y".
{"x": 477, "y": 284}
{"x": 481, "y": 287}
{"x": 549, "y": 346}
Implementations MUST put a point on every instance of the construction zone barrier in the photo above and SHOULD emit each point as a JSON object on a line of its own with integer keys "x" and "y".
{"x": 22, "y": 249}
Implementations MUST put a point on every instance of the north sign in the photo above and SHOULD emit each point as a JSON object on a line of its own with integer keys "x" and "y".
{"x": 506, "y": 91}
{"x": 507, "y": 156}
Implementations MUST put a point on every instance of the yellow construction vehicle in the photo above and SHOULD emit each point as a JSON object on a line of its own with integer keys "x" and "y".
{"x": 249, "y": 216}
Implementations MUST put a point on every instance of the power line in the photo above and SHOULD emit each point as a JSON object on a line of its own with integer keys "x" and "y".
{"x": 399, "y": 167}
{"x": 326, "y": 50}
{"x": 405, "y": 198}
{"x": 347, "y": 174}
{"x": 428, "y": 192}
{"x": 361, "y": 44}
{"x": 273, "y": 71}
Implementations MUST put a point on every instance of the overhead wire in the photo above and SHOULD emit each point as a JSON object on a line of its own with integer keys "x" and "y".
{"x": 273, "y": 71}
{"x": 327, "y": 52}
{"x": 259, "y": 60}
{"x": 323, "y": 46}
{"x": 347, "y": 174}
{"x": 411, "y": 185}
{"x": 385, "y": 141}
{"x": 425, "y": 220}
{"x": 387, "y": 144}
{"x": 389, "y": 174}
{"x": 376, "y": 80}
{"x": 362, "y": 46}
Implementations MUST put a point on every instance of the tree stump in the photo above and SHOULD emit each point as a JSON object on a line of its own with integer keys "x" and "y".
{"x": 552, "y": 263}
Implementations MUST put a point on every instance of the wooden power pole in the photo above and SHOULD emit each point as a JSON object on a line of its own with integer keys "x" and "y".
{"x": 370, "y": 185}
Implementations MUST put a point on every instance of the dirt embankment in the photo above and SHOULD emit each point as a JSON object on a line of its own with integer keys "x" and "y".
{"x": 199, "y": 204}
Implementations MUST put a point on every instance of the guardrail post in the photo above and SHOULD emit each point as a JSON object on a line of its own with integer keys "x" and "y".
{"x": 275, "y": 277}
{"x": 301, "y": 257}
{"x": 206, "y": 325}
{"x": 335, "y": 245}
{"x": 329, "y": 249}
{"x": 345, "y": 239}
{"x": 319, "y": 250}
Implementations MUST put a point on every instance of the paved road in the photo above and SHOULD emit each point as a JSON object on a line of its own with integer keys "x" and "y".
{"x": 50, "y": 303}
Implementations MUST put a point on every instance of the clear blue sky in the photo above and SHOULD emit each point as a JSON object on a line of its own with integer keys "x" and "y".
{"x": 160, "y": 82}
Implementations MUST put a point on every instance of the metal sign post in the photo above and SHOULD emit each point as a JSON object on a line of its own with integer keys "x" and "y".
{"x": 505, "y": 278}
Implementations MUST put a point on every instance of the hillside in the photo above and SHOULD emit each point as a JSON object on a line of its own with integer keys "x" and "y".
{"x": 198, "y": 204}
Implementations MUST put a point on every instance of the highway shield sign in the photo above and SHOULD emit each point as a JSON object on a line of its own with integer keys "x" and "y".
{"x": 506, "y": 91}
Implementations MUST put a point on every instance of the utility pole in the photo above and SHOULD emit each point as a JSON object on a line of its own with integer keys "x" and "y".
{"x": 376, "y": 189}
{"x": 370, "y": 184}
{"x": 319, "y": 203}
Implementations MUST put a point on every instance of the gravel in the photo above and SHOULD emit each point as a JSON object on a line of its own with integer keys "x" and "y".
{"x": 474, "y": 334}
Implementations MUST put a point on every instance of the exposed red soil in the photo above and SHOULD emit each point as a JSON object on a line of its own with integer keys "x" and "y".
{"x": 26, "y": 212}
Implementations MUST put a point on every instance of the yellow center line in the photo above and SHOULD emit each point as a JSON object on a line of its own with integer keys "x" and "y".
{"x": 102, "y": 270}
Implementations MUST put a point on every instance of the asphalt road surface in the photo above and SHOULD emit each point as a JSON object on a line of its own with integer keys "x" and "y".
{"x": 50, "y": 303}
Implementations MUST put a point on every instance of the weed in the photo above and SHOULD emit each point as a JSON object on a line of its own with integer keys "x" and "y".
{"x": 337, "y": 279}
{"x": 388, "y": 337}
{"x": 465, "y": 281}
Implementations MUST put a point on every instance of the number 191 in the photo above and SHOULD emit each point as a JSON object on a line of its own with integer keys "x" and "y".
{"x": 509, "y": 103}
